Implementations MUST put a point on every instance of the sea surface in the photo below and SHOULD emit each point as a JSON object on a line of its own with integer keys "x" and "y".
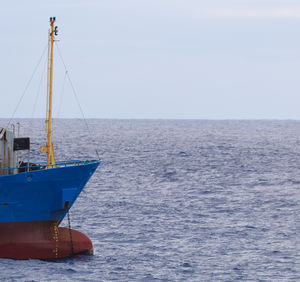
{"x": 178, "y": 200}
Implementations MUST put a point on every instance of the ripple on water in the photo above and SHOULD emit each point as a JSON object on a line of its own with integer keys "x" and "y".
{"x": 179, "y": 201}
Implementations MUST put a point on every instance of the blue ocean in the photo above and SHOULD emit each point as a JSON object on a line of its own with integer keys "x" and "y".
{"x": 178, "y": 200}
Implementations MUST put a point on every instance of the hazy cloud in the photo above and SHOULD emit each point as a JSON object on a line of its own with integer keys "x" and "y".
{"x": 250, "y": 13}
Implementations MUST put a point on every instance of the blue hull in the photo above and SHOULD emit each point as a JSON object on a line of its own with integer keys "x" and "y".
{"x": 44, "y": 194}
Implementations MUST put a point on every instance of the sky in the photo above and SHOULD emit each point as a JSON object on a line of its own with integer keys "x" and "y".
{"x": 154, "y": 59}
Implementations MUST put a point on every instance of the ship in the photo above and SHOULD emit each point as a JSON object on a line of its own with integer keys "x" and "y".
{"x": 35, "y": 197}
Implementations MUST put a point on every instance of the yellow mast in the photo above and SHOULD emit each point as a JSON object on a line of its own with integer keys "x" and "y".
{"x": 49, "y": 147}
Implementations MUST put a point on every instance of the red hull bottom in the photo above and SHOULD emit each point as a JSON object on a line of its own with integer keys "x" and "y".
{"x": 41, "y": 240}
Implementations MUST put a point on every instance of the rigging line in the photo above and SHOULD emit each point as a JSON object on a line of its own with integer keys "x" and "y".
{"x": 62, "y": 94}
{"x": 38, "y": 91}
{"x": 75, "y": 94}
{"x": 27, "y": 85}
{"x": 30, "y": 128}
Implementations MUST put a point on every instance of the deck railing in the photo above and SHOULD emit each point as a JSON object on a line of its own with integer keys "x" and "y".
{"x": 43, "y": 165}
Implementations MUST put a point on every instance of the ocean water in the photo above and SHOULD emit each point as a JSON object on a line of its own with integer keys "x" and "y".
{"x": 178, "y": 200}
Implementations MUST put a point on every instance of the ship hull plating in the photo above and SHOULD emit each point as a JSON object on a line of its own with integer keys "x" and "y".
{"x": 41, "y": 240}
{"x": 33, "y": 203}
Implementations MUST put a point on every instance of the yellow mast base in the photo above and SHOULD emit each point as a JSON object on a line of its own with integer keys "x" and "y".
{"x": 44, "y": 149}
